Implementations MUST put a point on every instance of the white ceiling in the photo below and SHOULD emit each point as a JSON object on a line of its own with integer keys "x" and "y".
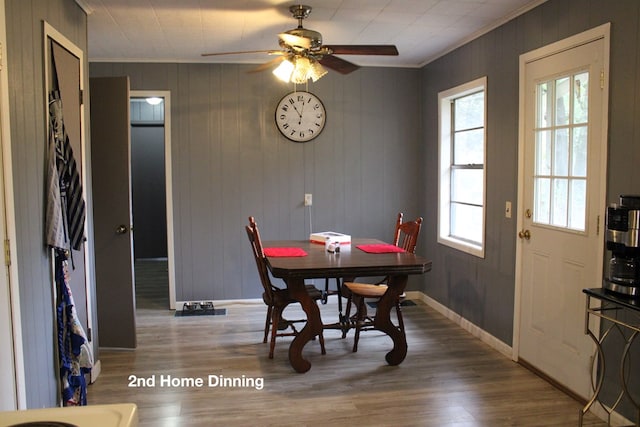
{"x": 180, "y": 30}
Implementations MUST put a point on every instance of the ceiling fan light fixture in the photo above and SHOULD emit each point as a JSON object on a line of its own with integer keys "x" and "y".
{"x": 317, "y": 71}
{"x": 302, "y": 71}
{"x": 284, "y": 70}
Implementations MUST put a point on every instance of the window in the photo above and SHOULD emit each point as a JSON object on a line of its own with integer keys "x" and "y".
{"x": 560, "y": 177}
{"x": 461, "y": 215}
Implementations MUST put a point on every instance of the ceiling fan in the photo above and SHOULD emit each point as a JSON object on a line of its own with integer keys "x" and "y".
{"x": 302, "y": 54}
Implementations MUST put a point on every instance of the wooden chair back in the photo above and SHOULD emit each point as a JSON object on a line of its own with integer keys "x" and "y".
{"x": 406, "y": 233}
{"x": 258, "y": 253}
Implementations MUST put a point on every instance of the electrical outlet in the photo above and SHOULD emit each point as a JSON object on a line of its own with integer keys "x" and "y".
{"x": 308, "y": 199}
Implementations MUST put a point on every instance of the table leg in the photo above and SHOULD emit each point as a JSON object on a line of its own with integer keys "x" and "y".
{"x": 382, "y": 320}
{"x": 311, "y": 329}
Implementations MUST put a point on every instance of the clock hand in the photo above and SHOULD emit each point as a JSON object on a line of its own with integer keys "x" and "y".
{"x": 299, "y": 113}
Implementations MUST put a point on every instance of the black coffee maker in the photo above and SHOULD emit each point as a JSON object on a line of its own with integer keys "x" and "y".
{"x": 623, "y": 240}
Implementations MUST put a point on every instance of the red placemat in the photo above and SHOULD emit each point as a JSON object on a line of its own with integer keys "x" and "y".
{"x": 380, "y": 248}
{"x": 282, "y": 252}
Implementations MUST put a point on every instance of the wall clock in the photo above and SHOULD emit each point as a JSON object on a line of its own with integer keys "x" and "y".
{"x": 300, "y": 116}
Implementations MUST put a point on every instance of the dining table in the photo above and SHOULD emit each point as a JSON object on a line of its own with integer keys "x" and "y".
{"x": 298, "y": 260}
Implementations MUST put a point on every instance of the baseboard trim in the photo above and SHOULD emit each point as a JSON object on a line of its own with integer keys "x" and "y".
{"x": 465, "y": 324}
{"x": 96, "y": 369}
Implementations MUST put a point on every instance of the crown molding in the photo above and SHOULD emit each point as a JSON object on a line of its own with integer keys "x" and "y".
{"x": 84, "y": 6}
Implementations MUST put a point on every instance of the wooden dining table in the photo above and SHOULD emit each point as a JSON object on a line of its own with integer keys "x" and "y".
{"x": 349, "y": 262}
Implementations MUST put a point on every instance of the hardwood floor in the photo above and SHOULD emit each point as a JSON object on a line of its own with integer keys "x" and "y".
{"x": 449, "y": 378}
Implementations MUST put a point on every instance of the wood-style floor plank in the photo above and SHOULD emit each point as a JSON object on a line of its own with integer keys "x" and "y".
{"x": 449, "y": 377}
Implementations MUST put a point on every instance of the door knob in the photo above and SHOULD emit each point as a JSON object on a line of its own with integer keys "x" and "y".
{"x": 122, "y": 229}
{"x": 524, "y": 234}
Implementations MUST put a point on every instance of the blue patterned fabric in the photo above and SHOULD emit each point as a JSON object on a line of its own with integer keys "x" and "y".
{"x": 76, "y": 358}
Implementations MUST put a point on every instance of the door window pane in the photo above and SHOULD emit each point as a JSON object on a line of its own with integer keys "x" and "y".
{"x": 542, "y": 198}
{"x": 581, "y": 98}
{"x": 543, "y": 109}
{"x": 579, "y": 151}
{"x": 578, "y": 203}
{"x": 543, "y": 152}
{"x": 561, "y": 151}
{"x": 559, "y": 202}
{"x": 562, "y": 89}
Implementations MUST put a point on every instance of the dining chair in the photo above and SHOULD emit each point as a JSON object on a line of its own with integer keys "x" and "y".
{"x": 406, "y": 237}
{"x": 276, "y": 299}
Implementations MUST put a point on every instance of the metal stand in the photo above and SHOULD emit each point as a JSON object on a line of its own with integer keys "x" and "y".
{"x": 608, "y": 306}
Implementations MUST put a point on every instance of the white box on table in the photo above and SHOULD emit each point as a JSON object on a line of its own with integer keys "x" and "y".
{"x": 321, "y": 237}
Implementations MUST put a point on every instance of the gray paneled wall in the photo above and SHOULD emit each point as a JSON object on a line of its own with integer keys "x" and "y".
{"x": 229, "y": 161}
{"x": 28, "y": 146}
{"x": 482, "y": 290}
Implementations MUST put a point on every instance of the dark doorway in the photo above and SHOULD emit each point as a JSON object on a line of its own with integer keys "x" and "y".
{"x": 149, "y": 201}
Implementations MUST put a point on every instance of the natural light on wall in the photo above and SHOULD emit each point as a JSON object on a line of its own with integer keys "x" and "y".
{"x": 462, "y": 184}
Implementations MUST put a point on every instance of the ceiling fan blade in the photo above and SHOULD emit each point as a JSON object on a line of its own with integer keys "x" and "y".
{"x": 295, "y": 41}
{"x": 338, "y": 64}
{"x": 267, "y": 65}
{"x": 358, "y": 49}
{"x": 270, "y": 52}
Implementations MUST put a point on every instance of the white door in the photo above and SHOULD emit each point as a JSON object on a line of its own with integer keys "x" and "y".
{"x": 561, "y": 204}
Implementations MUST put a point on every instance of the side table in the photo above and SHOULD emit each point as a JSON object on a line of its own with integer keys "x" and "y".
{"x": 610, "y": 306}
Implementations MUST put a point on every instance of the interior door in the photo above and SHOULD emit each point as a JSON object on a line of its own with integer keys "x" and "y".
{"x": 561, "y": 244}
{"x": 110, "y": 162}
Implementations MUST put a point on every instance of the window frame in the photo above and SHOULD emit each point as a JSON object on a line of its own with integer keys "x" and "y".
{"x": 445, "y": 167}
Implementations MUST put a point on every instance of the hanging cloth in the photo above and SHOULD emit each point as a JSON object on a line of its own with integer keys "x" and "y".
{"x": 76, "y": 355}
{"x": 65, "y": 206}
{"x": 55, "y": 228}
{"x": 65, "y": 217}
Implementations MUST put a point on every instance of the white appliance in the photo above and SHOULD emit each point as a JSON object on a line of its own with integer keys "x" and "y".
{"x": 118, "y": 415}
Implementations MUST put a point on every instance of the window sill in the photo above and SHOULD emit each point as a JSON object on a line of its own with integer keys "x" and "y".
{"x": 462, "y": 246}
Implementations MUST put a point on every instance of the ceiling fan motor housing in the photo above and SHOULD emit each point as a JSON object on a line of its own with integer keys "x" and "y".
{"x": 314, "y": 37}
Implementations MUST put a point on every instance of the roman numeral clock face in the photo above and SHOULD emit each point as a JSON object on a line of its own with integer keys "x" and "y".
{"x": 300, "y": 116}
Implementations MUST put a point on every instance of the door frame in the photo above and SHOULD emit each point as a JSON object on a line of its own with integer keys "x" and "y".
{"x": 50, "y": 33}
{"x": 166, "y": 95}
{"x": 9, "y": 282}
{"x": 601, "y": 32}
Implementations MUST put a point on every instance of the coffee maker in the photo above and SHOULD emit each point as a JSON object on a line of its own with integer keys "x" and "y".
{"x": 623, "y": 240}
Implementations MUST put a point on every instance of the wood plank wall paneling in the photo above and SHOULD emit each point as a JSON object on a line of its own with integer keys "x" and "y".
{"x": 28, "y": 138}
{"x": 230, "y": 162}
{"x": 482, "y": 290}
